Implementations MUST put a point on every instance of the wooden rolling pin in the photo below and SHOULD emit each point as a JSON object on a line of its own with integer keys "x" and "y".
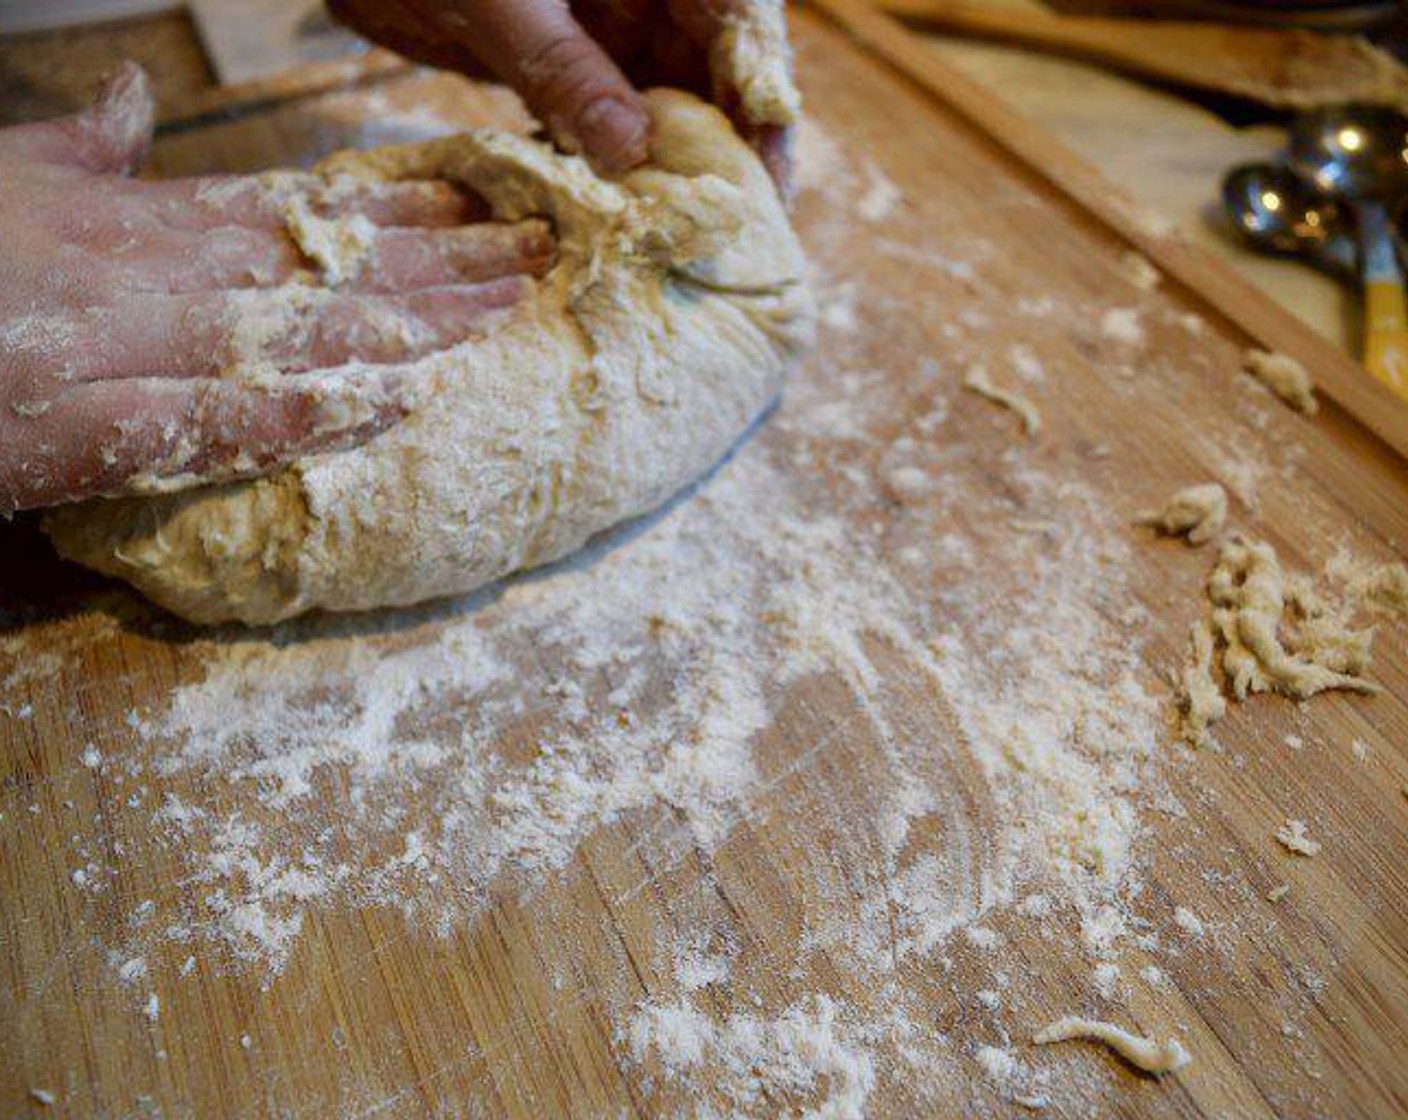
{"x": 1282, "y": 68}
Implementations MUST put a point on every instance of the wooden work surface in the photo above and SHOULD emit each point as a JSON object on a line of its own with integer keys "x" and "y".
{"x": 944, "y": 232}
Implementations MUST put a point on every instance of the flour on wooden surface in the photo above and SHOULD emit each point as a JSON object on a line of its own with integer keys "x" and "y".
{"x": 807, "y": 1054}
{"x": 989, "y": 681}
{"x": 1123, "y": 324}
{"x": 972, "y": 644}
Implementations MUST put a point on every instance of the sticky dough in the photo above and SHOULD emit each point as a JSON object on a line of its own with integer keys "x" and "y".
{"x": 661, "y": 333}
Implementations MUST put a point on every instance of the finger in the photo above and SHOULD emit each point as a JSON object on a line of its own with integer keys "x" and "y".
{"x": 407, "y": 260}
{"x": 111, "y": 136}
{"x": 387, "y": 329}
{"x": 260, "y": 202}
{"x": 390, "y": 260}
{"x": 139, "y": 435}
{"x": 566, "y": 79}
{"x": 230, "y": 257}
{"x": 291, "y": 331}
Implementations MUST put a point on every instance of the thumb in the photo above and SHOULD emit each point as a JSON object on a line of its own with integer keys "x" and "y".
{"x": 110, "y": 136}
{"x": 563, "y": 75}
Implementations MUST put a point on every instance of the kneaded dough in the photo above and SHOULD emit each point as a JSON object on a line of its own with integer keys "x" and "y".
{"x": 662, "y": 331}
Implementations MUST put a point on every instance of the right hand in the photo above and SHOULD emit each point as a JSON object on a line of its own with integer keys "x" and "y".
{"x": 122, "y": 301}
{"x": 578, "y": 65}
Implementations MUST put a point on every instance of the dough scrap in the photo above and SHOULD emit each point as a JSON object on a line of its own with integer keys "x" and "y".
{"x": 1200, "y": 696}
{"x": 663, "y": 330}
{"x": 1198, "y": 513}
{"x": 978, "y": 380}
{"x": 1275, "y": 635}
{"x": 1146, "y": 1053}
{"x": 1251, "y": 595}
{"x": 1285, "y": 377}
{"x": 1384, "y": 587}
{"x": 1293, "y": 837}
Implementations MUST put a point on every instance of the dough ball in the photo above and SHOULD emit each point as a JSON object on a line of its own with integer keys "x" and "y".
{"x": 663, "y": 330}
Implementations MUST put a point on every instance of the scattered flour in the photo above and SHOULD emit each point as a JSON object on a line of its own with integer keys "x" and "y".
{"x": 1106, "y": 978}
{"x": 697, "y": 965}
{"x": 881, "y": 197}
{"x": 1188, "y": 921}
{"x": 991, "y": 682}
{"x": 807, "y": 1056}
{"x": 1012, "y": 1077}
{"x": 1123, "y": 324}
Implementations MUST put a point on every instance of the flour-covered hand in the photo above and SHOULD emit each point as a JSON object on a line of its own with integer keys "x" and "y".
{"x": 122, "y": 303}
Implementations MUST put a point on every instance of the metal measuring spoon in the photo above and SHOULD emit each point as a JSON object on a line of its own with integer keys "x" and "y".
{"x": 1359, "y": 154}
{"x": 1278, "y": 213}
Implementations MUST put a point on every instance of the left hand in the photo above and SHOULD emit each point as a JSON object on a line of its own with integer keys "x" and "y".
{"x": 123, "y": 303}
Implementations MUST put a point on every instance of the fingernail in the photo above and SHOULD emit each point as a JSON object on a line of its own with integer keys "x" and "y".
{"x": 612, "y": 133}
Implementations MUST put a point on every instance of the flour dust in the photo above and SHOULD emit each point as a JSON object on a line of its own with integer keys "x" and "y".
{"x": 966, "y": 614}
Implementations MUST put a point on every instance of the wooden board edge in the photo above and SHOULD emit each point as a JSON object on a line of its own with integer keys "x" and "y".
{"x": 1223, "y": 293}
{"x": 311, "y": 80}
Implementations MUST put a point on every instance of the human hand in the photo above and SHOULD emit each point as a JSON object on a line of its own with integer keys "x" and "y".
{"x": 123, "y": 301}
{"x": 574, "y": 65}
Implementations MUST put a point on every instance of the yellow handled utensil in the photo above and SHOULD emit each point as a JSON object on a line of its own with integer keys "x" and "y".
{"x": 1386, "y": 333}
{"x": 1359, "y": 153}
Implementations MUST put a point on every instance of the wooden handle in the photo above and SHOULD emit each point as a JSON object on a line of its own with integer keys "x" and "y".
{"x": 1386, "y": 334}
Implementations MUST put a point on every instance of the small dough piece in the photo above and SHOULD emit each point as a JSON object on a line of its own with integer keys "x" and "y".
{"x": 979, "y": 381}
{"x": 1294, "y": 838}
{"x": 663, "y": 331}
{"x": 1145, "y": 1053}
{"x": 1142, "y": 272}
{"x": 1285, "y": 377}
{"x": 1200, "y": 696}
{"x": 1197, "y": 513}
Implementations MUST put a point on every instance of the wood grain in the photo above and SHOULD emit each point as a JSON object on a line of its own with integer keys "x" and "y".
{"x": 518, "y": 1011}
{"x": 1280, "y": 68}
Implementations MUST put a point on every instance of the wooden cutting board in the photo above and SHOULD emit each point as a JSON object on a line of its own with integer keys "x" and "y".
{"x": 771, "y": 854}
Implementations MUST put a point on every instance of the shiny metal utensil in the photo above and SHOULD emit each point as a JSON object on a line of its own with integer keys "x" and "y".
{"x": 1278, "y": 213}
{"x": 1359, "y": 154}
